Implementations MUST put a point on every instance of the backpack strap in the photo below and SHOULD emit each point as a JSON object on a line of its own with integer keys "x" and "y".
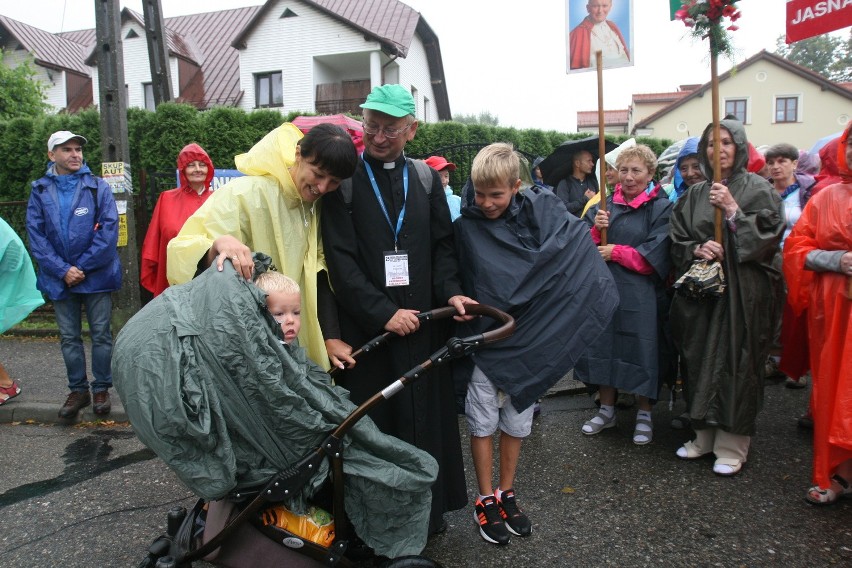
{"x": 424, "y": 174}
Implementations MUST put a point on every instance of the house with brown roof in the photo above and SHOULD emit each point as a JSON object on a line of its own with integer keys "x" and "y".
{"x": 293, "y": 55}
{"x": 326, "y": 55}
{"x": 57, "y": 61}
{"x": 643, "y": 105}
{"x": 776, "y": 99}
{"x": 204, "y": 68}
{"x": 615, "y": 121}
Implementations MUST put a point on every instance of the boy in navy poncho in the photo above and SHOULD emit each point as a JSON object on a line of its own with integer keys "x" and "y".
{"x": 524, "y": 254}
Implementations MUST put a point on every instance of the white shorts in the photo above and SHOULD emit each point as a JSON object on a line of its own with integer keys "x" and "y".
{"x": 487, "y": 408}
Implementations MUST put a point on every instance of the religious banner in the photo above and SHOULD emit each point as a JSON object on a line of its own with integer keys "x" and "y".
{"x": 599, "y": 25}
{"x": 808, "y": 18}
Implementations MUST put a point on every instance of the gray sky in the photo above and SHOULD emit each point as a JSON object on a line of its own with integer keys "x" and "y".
{"x": 509, "y": 58}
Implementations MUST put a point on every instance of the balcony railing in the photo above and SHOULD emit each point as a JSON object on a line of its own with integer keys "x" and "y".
{"x": 339, "y": 106}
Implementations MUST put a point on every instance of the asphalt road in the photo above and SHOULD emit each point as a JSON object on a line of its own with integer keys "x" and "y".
{"x": 94, "y": 496}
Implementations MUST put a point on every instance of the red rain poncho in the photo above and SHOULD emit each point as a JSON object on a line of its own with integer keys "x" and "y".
{"x": 173, "y": 208}
{"x": 825, "y": 225}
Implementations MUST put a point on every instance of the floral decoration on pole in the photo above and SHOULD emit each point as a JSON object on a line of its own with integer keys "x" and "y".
{"x": 707, "y": 19}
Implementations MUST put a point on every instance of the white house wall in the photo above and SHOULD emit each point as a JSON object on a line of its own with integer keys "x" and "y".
{"x": 822, "y": 112}
{"x": 137, "y": 70}
{"x": 414, "y": 72}
{"x": 54, "y": 89}
{"x": 289, "y": 45}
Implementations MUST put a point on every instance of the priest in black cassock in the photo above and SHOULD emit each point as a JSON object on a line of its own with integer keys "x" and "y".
{"x": 388, "y": 244}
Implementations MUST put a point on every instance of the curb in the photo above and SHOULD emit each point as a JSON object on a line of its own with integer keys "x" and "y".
{"x": 48, "y": 413}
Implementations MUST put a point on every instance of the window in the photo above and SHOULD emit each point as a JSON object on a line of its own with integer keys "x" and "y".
{"x": 787, "y": 109}
{"x": 738, "y": 108}
{"x": 426, "y": 117}
{"x": 148, "y": 96}
{"x": 268, "y": 90}
{"x": 416, "y": 101}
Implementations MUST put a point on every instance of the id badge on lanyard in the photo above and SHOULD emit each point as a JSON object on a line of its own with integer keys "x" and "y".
{"x": 396, "y": 268}
{"x": 396, "y": 261}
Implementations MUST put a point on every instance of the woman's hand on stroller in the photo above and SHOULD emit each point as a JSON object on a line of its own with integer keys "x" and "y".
{"x": 339, "y": 353}
{"x": 458, "y": 303}
{"x": 229, "y": 247}
{"x": 403, "y": 322}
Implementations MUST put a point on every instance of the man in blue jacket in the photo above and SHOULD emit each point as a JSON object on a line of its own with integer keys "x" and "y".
{"x": 72, "y": 222}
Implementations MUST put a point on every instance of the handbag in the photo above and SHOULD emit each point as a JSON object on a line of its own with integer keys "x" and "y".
{"x": 704, "y": 280}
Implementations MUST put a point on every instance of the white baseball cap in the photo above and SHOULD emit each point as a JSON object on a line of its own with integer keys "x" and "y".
{"x": 61, "y": 137}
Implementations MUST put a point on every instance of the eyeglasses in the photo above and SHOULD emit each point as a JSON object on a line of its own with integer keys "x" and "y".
{"x": 389, "y": 133}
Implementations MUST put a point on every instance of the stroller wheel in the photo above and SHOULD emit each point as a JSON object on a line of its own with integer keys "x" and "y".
{"x": 411, "y": 562}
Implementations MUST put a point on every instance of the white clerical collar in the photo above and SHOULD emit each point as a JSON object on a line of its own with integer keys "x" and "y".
{"x": 389, "y": 165}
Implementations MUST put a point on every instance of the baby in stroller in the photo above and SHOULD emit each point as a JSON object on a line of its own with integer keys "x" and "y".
{"x": 209, "y": 387}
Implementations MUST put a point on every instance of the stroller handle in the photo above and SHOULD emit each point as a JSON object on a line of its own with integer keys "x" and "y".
{"x": 505, "y": 330}
{"x": 456, "y": 347}
{"x": 492, "y": 336}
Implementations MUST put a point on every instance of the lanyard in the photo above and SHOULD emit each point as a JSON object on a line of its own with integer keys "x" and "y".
{"x": 382, "y": 201}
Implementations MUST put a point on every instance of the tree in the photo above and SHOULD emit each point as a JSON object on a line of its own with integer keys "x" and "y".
{"x": 483, "y": 117}
{"x": 829, "y": 55}
{"x": 20, "y": 93}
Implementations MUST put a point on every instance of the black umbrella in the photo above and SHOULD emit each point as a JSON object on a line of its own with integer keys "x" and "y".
{"x": 559, "y": 164}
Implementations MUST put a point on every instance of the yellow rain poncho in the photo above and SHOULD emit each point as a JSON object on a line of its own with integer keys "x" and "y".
{"x": 264, "y": 211}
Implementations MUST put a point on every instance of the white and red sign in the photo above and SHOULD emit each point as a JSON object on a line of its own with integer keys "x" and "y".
{"x": 807, "y": 18}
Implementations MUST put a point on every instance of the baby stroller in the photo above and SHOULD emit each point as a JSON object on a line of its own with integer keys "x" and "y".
{"x": 229, "y": 524}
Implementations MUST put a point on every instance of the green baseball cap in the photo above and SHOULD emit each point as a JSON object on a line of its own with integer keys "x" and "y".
{"x": 394, "y": 100}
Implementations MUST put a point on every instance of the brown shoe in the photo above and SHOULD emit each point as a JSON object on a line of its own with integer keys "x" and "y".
{"x": 76, "y": 401}
{"x": 102, "y": 405}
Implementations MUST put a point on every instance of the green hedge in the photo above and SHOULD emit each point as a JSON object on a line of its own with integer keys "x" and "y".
{"x": 157, "y": 137}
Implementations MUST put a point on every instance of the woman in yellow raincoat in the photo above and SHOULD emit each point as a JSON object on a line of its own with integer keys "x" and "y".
{"x": 274, "y": 210}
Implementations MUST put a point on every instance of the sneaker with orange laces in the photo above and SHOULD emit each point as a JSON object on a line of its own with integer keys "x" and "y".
{"x": 516, "y": 521}
{"x": 491, "y": 526}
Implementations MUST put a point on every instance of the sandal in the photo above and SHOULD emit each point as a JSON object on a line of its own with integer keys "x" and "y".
{"x": 644, "y": 431}
{"x": 10, "y": 392}
{"x": 689, "y": 451}
{"x": 599, "y": 421}
{"x": 727, "y": 467}
{"x": 839, "y": 488}
{"x": 681, "y": 422}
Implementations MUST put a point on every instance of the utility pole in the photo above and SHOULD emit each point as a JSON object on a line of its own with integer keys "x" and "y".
{"x": 158, "y": 56}
{"x": 115, "y": 151}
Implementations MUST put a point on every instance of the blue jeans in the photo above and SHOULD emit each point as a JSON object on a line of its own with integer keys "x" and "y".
{"x": 98, "y": 314}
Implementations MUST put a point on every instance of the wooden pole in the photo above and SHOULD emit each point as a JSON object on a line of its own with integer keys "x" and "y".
{"x": 601, "y": 142}
{"x": 717, "y": 167}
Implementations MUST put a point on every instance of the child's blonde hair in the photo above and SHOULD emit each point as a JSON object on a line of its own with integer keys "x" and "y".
{"x": 276, "y": 282}
{"x": 496, "y": 165}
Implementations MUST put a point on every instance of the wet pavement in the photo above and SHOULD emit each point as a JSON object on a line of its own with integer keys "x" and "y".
{"x": 88, "y": 495}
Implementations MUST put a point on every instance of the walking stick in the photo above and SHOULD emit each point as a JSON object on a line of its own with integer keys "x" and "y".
{"x": 601, "y": 142}
{"x": 717, "y": 220}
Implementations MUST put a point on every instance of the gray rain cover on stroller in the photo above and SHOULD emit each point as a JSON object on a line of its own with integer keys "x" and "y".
{"x": 209, "y": 388}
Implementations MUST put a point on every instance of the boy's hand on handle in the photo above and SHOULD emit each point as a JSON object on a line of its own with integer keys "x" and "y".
{"x": 339, "y": 353}
{"x": 458, "y": 303}
{"x": 403, "y": 322}
{"x": 227, "y": 246}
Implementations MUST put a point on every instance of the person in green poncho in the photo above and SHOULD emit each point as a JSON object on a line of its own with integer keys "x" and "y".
{"x": 723, "y": 342}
